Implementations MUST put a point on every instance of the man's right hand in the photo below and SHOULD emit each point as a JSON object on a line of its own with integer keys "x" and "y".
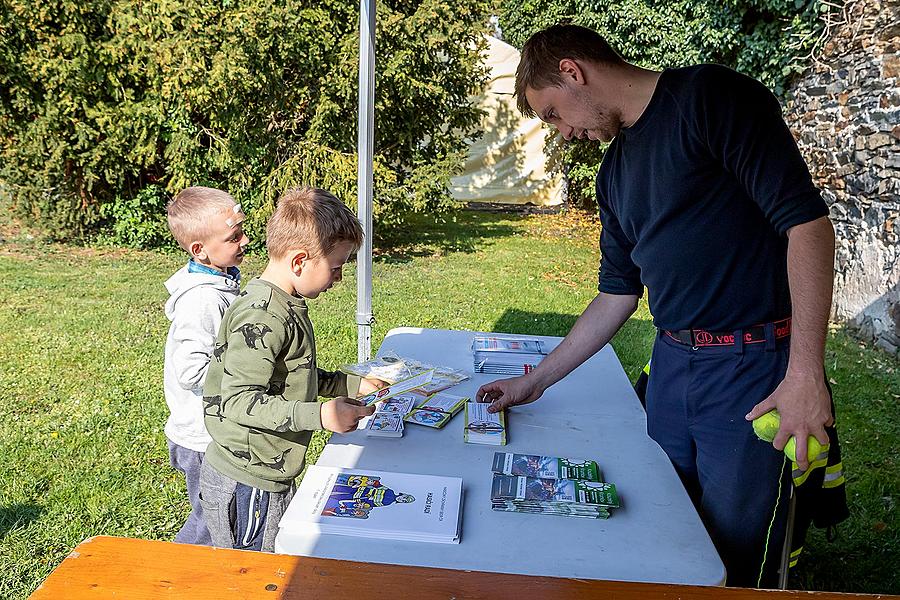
{"x": 504, "y": 393}
{"x": 342, "y": 415}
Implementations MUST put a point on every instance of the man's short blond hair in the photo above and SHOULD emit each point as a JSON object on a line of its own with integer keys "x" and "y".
{"x": 192, "y": 210}
{"x": 312, "y": 219}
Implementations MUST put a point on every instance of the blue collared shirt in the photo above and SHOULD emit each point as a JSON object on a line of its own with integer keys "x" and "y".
{"x": 232, "y": 272}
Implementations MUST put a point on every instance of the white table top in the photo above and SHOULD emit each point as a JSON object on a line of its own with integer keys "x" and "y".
{"x": 656, "y": 536}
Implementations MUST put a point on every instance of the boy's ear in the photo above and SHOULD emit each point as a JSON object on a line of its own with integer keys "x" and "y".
{"x": 298, "y": 261}
{"x": 196, "y": 250}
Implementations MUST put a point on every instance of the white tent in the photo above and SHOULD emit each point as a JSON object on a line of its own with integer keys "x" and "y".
{"x": 507, "y": 164}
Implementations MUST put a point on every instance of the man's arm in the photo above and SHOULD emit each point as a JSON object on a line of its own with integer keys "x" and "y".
{"x": 802, "y": 398}
{"x": 594, "y": 328}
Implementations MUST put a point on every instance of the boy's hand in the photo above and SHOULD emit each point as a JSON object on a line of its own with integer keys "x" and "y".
{"x": 342, "y": 415}
{"x": 367, "y": 385}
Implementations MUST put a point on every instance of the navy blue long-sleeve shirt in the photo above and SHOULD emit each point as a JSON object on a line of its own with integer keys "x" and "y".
{"x": 696, "y": 198}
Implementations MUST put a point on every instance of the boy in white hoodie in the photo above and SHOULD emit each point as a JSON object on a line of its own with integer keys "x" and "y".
{"x": 206, "y": 223}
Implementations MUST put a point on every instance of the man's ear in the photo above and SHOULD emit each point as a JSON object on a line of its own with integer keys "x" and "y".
{"x": 571, "y": 71}
{"x": 197, "y": 251}
{"x": 298, "y": 261}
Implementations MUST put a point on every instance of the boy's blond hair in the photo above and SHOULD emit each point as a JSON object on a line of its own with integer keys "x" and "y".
{"x": 190, "y": 212}
{"x": 312, "y": 219}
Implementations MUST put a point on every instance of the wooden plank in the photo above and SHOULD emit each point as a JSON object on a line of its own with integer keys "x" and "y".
{"x": 109, "y": 567}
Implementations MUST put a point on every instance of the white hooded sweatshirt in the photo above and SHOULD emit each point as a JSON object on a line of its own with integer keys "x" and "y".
{"x": 196, "y": 306}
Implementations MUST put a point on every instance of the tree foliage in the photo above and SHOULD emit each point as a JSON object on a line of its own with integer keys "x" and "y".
{"x": 767, "y": 39}
{"x": 108, "y": 106}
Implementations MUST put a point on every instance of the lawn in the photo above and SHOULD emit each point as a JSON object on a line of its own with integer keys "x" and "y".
{"x": 81, "y": 339}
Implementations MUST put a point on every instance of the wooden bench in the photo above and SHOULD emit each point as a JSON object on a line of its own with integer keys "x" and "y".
{"x": 110, "y": 567}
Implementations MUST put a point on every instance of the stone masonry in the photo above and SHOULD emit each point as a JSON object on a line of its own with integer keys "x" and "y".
{"x": 845, "y": 113}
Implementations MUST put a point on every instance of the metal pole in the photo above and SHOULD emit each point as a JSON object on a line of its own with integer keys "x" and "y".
{"x": 366, "y": 137}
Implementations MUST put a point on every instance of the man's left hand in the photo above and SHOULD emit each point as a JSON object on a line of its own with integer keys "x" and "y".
{"x": 805, "y": 407}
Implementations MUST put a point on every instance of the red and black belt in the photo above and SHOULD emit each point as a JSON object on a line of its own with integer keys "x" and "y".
{"x": 751, "y": 335}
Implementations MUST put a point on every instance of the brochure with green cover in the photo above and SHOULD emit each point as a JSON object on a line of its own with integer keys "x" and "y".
{"x": 552, "y": 491}
{"x": 546, "y": 467}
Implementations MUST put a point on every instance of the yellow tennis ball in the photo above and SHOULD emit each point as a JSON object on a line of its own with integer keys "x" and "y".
{"x": 766, "y": 426}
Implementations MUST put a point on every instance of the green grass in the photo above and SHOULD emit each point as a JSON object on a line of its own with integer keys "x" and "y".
{"x": 81, "y": 341}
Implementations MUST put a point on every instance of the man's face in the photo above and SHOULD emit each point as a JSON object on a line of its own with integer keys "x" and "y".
{"x": 575, "y": 112}
{"x": 321, "y": 273}
{"x": 225, "y": 244}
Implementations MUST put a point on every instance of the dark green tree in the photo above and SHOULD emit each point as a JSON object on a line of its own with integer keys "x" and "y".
{"x": 109, "y": 106}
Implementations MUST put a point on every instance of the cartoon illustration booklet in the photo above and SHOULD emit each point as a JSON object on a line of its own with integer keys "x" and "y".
{"x": 436, "y": 410}
{"x": 376, "y": 504}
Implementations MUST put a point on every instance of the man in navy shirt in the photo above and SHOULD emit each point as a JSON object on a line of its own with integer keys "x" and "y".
{"x": 705, "y": 200}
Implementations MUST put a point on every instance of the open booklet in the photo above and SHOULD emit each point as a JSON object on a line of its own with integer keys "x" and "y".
{"x": 376, "y": 504}
{"x": 436, "y": 410}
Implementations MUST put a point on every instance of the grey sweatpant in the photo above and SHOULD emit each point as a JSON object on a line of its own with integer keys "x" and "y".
{"x": 225, "y": 510}
{"x": 188, "y": 462}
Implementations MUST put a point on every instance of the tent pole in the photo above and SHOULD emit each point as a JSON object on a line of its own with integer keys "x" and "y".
{"x": 366, "y": 137}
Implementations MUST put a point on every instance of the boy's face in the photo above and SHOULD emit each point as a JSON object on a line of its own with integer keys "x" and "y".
{"x": 225, "y": 244}
{"x": 319, "y": 274}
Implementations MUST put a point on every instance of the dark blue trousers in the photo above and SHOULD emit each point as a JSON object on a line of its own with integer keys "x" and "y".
{"x": 696, "y": 402}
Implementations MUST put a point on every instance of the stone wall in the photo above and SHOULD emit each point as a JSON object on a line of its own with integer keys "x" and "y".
{"x": 845, "y": 113}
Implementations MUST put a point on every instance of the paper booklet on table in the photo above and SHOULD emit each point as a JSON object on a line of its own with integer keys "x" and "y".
{"x": 387, "y": 421}
{"x": 376, "y": 504}
{"x": 393, "y": 368}
{"x": 506, "y": 355}
{"x": 483, "y": 427}
{"x": 398, "y": 388}
{"x": 436, "y": 410}
{"x": 546, "y": 467}
{"x": 568, "y": 497}
{"x": 507, "y": 344}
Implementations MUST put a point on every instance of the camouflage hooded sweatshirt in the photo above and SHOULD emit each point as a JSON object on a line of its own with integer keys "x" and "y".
{"x": 261, "y": 392}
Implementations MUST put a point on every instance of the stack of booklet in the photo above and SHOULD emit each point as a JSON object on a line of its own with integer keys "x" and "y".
{"x": 549, "y": 485}
{"x": 388, "y": 418}
{"x": 506, "y": 355}
{"x": 483, "y": 427}
{"x": 376, "y": 504}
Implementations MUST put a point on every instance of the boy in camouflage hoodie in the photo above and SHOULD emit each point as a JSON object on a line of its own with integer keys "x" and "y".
{"x": 261, "y": 392}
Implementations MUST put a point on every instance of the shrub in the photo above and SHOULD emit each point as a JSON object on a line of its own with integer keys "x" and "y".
{"x": 106, "y": 104}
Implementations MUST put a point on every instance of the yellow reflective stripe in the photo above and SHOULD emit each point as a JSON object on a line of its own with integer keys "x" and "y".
{"x": 796, "y": 553}
{"x": 793, "y": 563}
{"x": 835, "y": 468}
{"x": 800, "y": 476}
{"x": 833, "y": 483}
{"x": 647, "y": 368}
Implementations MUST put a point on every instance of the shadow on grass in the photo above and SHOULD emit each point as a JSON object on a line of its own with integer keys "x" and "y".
{"x": 17, "y": 515}
{"x": 464, "y": 231}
